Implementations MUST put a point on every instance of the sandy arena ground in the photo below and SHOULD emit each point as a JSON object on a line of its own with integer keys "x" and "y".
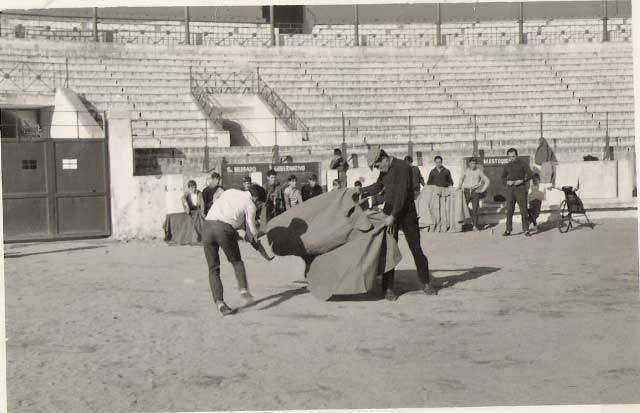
{"x": 108, "y": 326}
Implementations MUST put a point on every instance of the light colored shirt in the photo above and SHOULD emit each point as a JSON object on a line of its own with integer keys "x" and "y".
{"x": 194, "y": 197}
{"x": 235, "y": 208}
{"x": 473, "y": 179}
{"x": 292, "y": 197}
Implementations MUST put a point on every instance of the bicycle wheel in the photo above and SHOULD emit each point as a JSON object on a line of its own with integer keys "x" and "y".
{"x": 565, "y": 218}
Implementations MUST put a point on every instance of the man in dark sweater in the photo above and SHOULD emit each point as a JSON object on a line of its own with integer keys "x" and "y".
{"x": 396, "y": 181}
{"x": 311, "y": 189}
{"x": 212, "y": 192}
{"x": 418, "y": 180}
{"x": 440, "y": 176}
{"x": 514, "y": 175}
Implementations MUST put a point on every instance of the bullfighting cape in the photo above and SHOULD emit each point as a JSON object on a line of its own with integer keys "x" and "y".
{"x": 348, "y": 246}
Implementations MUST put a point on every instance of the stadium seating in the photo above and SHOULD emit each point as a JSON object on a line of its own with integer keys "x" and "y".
{"x": 440, "y": 100}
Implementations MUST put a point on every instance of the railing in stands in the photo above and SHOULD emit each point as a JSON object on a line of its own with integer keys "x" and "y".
{"x": 283, "y": 110}
{"x": 204, "y": 84}
{"x": 32, "y": 76}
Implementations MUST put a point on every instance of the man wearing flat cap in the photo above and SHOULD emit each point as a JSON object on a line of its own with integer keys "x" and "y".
{"x": 397, "y": 183}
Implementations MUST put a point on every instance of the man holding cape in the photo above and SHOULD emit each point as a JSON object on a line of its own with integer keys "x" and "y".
{"x": 396, "y": 184}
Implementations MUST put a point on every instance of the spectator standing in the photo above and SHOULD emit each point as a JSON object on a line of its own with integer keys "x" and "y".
{"x": 275, "y": 198}
{"x": 192, "y": 200}
{"x": 311, "y": 188}
{"x": 440, "y": 177}
{"x": 292, "y": 196}
{"x": 212, "y": 191}
{"x": 536, "y": 196}
{"x": 474, "y": 183}
{"x": 246, "y": 183}
{"x": 341, "y": 165}
{"x": 416, "y": 176}
{"x": 514, "y": 176}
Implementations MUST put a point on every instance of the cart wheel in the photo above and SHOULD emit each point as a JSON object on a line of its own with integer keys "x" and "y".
{"x": 565, "y": 218}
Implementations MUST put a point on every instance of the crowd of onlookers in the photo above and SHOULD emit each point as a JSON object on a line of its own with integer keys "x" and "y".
{"x": 473, "y": 184}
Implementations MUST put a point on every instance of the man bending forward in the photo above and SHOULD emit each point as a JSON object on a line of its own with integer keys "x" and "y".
{"x": 233, "y": 210}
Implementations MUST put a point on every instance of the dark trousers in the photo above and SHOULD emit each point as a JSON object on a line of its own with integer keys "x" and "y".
{"x": 408, "y": 222}
{"x": 216, "y": 235}
{"x": 534, "y": 210}
{"x": 517, "y": 194}
{"x": 474, "y": 198}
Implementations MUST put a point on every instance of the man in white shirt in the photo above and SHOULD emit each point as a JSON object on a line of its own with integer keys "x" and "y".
{"x": 233, "y": 210}
{"x": 474, "y": 182}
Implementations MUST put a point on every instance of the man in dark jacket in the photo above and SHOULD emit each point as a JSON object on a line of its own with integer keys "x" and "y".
{"x": 514, "y": 176}
{"x": 275, "y": 196}
{"x": 311, "y": 189}
{"x": 396, "y": 181}
{"x": 418, "y": 180}
{"x": 212, "y": 192}
{"x": 341, "y": 165}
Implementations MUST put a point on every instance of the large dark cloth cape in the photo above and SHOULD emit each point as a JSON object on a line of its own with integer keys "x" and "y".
{"x": 348, "y": 246}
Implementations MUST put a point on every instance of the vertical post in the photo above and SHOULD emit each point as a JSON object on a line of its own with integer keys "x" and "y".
{"x": 104, "y": 125}
{"x": 409, "y": 125}
{"x": 15, "y": 117}
{"x": 275, "y": 130}
{"x": 95, "y": 24}
{"x": 272, "y": 26}
{"x": 605, "y": 33}
{"x": 77, "y": 125}
{"x": 541, "y": 125}
{"x": 607, "y": 141}
{"x": 343, "y": 147}
{"x": 356, "y": 35}
{"x": 521, "y": 24}
{"x": 66, "y": 72}
{"x": 410, "y": 149}
{"x": 475, "y": 136}
{"x": 344, "y": 134}
{"x": 206, "y": 145}
{"x": 187, "y": 34}
{"x": 438, "y": 26}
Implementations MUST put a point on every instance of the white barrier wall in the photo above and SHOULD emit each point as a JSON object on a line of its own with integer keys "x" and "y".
{"x": 598, "y": 179}
{"x": 71, "y": 119}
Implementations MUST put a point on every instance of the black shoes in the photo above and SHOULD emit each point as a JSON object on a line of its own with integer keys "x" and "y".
{"x": 390, "y": 295}
{"x": 527, "y": 233}
{"x": 506, "y": 233}
{"x": 430, "y": 290}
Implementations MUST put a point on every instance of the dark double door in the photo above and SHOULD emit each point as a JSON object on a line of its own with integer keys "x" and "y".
{"x": 55, "y": 189}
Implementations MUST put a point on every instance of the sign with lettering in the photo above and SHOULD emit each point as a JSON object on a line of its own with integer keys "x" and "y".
{"x": 233, "y": 174}
{"x": 493, "y": 167}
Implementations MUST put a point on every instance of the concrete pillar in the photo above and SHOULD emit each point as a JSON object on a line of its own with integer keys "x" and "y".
{"x": 187, "y": 34}
{"x": 124, "y": 214}
{"x": 521, "y": 24}
{"x": 272, "y": 26}
{"x": 356, "y": 35}
{"x": 605, "y": 33}
{"x": 438, "y": 26}
{"x": 95, "y": 24}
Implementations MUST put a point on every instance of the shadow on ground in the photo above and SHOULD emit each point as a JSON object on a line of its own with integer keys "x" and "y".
{"x": 277, "y": 298}
{"x": 28, "y": 254}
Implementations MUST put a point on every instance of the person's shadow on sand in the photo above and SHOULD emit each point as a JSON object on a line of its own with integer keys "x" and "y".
{"x": 288, "y": 241}
{"x": 277, "y": 298}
